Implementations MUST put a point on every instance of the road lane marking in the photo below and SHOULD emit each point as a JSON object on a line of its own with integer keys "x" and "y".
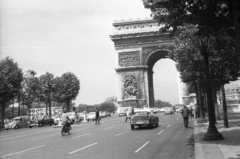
{"x": 10, "y": 138}
{"x": 141, "y": 147}
{"x": 121, "y": 133}
{"x": 25, "y": 133}
{"x": 82, "y": 135}
{"x": 169, "y": 125}
{"x": 82, "y": 148}
{"x": 22, "y": 151}
{"x": 160, "y": 132}
{"x": 110, "y": 127}
{"x": 43, "y": 137}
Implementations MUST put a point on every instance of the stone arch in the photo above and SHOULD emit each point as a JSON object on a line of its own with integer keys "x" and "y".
{"x": 154, "y": 53}
{"x": 138, "y": 49}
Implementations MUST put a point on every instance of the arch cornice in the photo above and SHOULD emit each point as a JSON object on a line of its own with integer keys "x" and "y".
{"x": 131, "y": 68}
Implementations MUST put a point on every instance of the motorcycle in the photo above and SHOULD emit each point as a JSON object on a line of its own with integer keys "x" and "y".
{"x": 66, "y": 129}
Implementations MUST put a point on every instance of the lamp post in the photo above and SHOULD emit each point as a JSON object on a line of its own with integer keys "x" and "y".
{"x": 212, "y": 132}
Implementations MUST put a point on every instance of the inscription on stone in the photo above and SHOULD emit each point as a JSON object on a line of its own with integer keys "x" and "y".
{"x": 126, "y": 57}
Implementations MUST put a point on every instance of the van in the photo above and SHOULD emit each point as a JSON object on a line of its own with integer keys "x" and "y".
{"x": 17, "y": 122}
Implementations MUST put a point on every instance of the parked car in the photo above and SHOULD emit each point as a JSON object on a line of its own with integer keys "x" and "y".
{"x": 102, "y": 114}
{"x": 108, "y": 114}
{"x": 91, "y": 116}
{"x": 144, "y": 118}
{"x": 162, "y": 110}
{"x": 81, "y": 116}
{"x": 179, "y": 110}
{"x": 17, "y": 122}
{"x": 169, "y": 110}
{"x": 45, "y": 120}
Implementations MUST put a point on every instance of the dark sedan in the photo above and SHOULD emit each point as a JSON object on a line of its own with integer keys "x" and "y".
{"x": 45, "y": 120}
{"x": 144, "y": 119}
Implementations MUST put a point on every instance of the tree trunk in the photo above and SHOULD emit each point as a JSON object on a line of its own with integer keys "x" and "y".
{"x": 13, "y": 109}
{"x": 3, "y": 115}
{"x": 46, "y": 108}
{"x": 19, "y": 104}
{"x": 225, "y": 117}
{"x": 215, "y": 102}
{"x": 50, "y": 109}
{"x": 68, "y": 105}
{"x": 200, "y": 110}
{"x": 236, "y": 22}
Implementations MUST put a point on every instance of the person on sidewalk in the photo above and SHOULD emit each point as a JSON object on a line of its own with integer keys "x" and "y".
{"x": 97, "y": 117}
{"x": 128, "y": 115}
{"x": 185, "y": 114}
{"x": 76, "y": 118}
{"x": 191, "y": 113}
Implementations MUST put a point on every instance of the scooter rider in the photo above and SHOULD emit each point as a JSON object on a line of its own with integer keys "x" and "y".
{"x": 65, "y": 119}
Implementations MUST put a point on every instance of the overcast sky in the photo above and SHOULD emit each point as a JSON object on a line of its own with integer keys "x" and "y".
{"x": 60, "y": 36}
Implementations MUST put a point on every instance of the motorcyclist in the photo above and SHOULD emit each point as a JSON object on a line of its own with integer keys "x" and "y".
{"x": 65, "y": 119}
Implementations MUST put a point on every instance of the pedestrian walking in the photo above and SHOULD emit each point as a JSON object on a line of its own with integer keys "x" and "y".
{"x": 191, "y": 113}
{"x": 128, "y": 115}
{"x": 97, "y": 117}
{"x": 77, "y": 118}
{"x": 185, "y": 114}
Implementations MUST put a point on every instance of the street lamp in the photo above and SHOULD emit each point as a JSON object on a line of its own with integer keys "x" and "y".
{"x": 212, "y": 132}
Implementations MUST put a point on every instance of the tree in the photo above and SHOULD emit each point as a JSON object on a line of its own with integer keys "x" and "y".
{"x": 45, "y": 90}
{"x": 112, "y": 99}
{"x": 107, "y": 106}
{"x": 67, "y": 88}
{"x": 29, "y": 89}
{"x": 210, "y": 16}
{"x": 10, "y": 82}
{"x": 160, "y": 103}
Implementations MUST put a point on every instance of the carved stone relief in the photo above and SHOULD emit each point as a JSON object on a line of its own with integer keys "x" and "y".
{"x": 129, "y": 57}
{"x": 130, "y": 88}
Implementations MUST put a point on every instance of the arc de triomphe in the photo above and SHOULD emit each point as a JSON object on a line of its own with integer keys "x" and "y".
{"x": 139, "y": 45}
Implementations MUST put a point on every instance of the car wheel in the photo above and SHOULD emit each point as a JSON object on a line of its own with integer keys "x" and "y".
{"x": 50, "y": 124}
{"x": 17, "y": 127}
{"x": 157, "y": 125}
{"x": 29, "y": 126}
{"x": 132, "y": 127}
{"x": 151, "y": 126}
{"x": 40, "y": 125}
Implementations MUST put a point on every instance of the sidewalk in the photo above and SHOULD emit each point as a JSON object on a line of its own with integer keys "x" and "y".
{"x": 229, "y": 148}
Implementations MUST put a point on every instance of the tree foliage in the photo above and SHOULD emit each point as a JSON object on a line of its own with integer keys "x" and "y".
{"x": 46, "y": 89}
{"x": 67, "y": 88}
{"x": 107, "y": 106}
{"x": 10, "y": 82}
{"x": 210, "y": 16}
{"x": 112, "y": 99}
{"x": 30, "y": 86}
{"x": 160, "y": 103}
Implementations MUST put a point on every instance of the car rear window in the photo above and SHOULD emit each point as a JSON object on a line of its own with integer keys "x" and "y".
{"x": 140, "y": 118}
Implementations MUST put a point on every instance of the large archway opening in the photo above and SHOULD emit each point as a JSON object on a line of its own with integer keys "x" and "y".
{"x": 163, "y": 78}
{"x": 165, "y": 81}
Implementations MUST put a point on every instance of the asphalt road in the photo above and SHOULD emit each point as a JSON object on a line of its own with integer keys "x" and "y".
{"x": 112, "y": 139}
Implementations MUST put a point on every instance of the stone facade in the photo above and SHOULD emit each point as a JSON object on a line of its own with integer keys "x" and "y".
{"x": 138, "y": 45}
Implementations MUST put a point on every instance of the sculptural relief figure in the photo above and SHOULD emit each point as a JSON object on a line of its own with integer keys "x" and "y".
{"x": 130, "y": 88}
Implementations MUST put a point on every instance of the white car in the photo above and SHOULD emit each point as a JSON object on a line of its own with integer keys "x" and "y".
{"x": 91, "y": 116}
{"x": 162, "y": 110}
{"x": 169, "y": 110}
{"x": 179, "y": 110}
